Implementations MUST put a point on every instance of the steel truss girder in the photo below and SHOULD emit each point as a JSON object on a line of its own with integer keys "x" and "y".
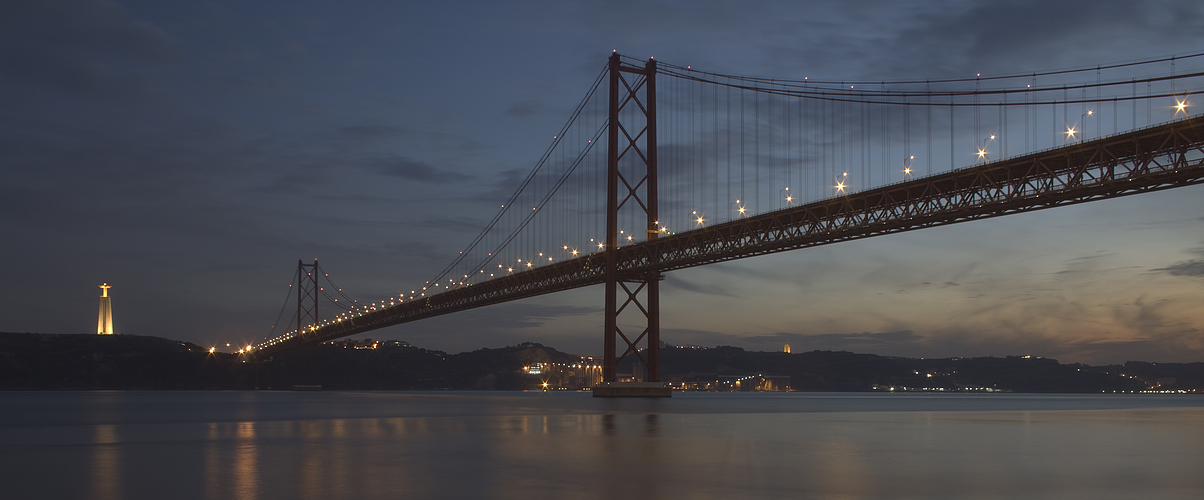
{"x": 1154, "y": 158}
{"x": 1151, "y": 159}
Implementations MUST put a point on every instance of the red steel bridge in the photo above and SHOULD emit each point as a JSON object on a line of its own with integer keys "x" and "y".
{"x": 701, "y": 167}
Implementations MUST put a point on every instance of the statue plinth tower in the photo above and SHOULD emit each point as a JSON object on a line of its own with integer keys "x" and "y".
{"x": 104, "y": 324}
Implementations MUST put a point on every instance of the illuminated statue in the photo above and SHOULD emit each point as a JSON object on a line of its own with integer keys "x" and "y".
{"x": 104, "y": 324}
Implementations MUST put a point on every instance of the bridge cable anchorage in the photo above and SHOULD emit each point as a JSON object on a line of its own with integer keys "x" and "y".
{"x": 678, "y": 138}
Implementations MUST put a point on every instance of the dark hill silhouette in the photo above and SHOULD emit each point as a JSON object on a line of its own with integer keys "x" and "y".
{"x": 85, "y": 361}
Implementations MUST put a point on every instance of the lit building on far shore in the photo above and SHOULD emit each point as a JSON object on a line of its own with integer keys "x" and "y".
{"x": 104, "y": 324}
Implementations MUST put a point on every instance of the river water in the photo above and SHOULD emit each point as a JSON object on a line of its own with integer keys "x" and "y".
{"x": 263, "y": 444}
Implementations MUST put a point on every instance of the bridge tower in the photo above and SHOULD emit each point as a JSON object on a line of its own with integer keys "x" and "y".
{"x": 308, "y": 290}
{"x": 631, "y": 185}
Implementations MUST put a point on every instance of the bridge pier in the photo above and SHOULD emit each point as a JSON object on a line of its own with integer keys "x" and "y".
{"x": 633, "y": 169}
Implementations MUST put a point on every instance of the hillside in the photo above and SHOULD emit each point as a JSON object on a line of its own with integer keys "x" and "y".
{"x": 48, "y": 361}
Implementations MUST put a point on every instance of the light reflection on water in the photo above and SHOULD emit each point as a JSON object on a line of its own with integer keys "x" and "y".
{"x": 514, "y": 445}
{"x": 106, "y": 464}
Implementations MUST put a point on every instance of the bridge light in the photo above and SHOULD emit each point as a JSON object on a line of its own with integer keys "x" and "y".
{"x": 1180, "y": 106}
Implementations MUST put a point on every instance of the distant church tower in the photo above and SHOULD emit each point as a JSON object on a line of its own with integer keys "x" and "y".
{"x": 104, "y": 324}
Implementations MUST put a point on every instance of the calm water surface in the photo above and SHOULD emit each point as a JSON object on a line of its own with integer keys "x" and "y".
{"x": 256, "y": 445}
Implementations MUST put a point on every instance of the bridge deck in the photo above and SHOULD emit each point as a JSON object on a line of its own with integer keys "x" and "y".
{"x": 1155, "y": 158}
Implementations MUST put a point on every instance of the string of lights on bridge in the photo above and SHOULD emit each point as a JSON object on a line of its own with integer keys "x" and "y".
{"x": 732, "y": 147}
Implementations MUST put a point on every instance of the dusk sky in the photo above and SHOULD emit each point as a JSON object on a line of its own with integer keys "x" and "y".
{"x": 189, "y": 153}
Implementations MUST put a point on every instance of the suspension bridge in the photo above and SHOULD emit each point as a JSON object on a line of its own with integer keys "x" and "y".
{"x": 663, "y": 167}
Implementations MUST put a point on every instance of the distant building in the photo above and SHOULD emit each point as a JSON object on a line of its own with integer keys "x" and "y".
{"x": 354, "y": 343}
{"x": 751, "y": 383}
{"x": 368, "y": 343}
{"x": 395, "y": 343}
{"x": 560, "y": 376}
{"x": 104, "y": 324}
{"x": 786, "y": 349}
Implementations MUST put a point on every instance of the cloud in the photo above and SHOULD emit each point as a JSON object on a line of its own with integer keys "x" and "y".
{"x": 413, "y": 170}
{"x": 705, "y": 288}
{"x": 861, "y": 342}
{"x": 368, "y": 133}
{"x": 78, "y": 46}
{"x": 1190, "y": 268}
{"x": 1193, "y": 268}
{"x": 1020, "y": 34}
{"x": 1144, "y": 316}
{"x": 927, "y": 285}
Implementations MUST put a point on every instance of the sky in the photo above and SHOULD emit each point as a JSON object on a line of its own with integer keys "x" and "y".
{"x": 189, "y": 153}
